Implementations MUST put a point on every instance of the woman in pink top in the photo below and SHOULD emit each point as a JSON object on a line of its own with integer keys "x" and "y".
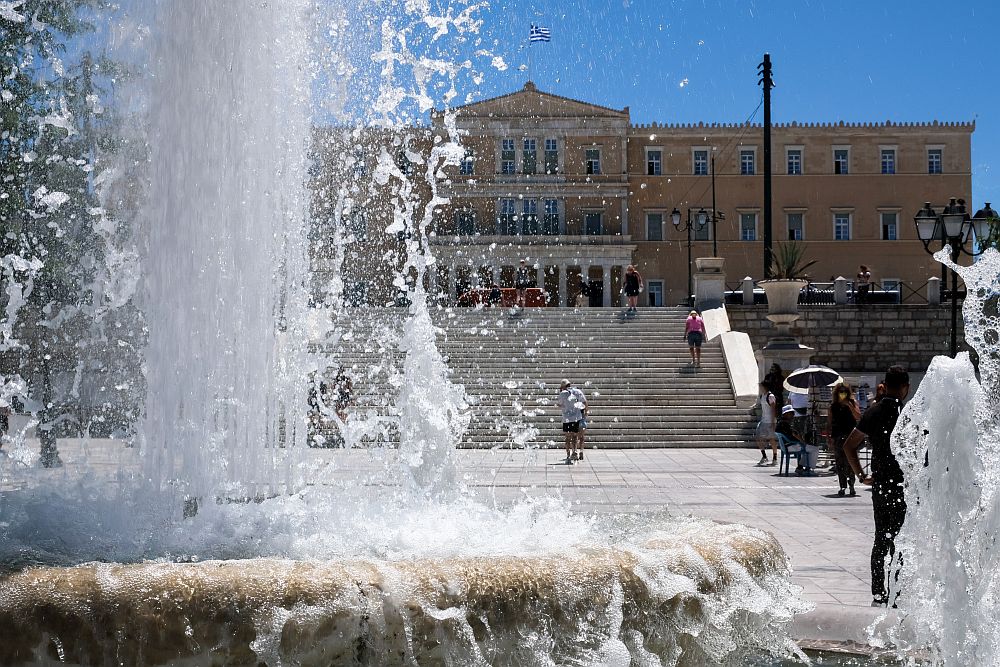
{"x": 694, "y": 331}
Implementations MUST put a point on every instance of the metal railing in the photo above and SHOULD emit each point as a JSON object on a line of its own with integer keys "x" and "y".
{"x": 825, "y": 294}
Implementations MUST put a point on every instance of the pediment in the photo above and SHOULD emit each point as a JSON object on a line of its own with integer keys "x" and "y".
{"x": 529, "y": 102}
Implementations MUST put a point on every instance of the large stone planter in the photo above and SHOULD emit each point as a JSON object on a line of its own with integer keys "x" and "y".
{"x": 783, "y": 302}
{"x": 783, "y": 310}
{"x": 709, "y": 282}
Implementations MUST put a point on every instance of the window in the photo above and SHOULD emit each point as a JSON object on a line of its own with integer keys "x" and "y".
{"x": 748, "y": 226}
{"x": 529, "y": 163}
{"x": 655, "y": 292}
{"x": 705, "y": 233}
{"x": 841, "y": 160}
{"x": 356, "y": 294}
{"x": 700, "y": 163}
{"x": 529, "y": 221}
{"x": 357, "y": 225}
{"x": 404, "y": 163}
{"x": 794, "y": 160}
{"x": 888, "y": 160}
{"x": 796, "y": 228}
{"x": 841, "y": 226}
{"x": 654, "y": 226}
{"x": 891, "y": 284}
{"x": 506, "y": 156}
{"x": 466, "y": 167}
{"x": 593, "y": 160}
{"x": 507, "y": 220}
{"x": 654, "y": 162}
{"x": 550, "y": 221}
{"x": 934, "y": 160}
{"x": 551, "y": 156}
{"x": 748, "y": 159}
{"x": 592, "y": 224}
{"x": 358, "y": 165}
{"x": 890, "y": 226}
{"x": 465, "y": 222}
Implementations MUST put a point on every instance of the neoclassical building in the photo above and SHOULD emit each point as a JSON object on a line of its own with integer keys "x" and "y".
{"x": 580, "y": 191}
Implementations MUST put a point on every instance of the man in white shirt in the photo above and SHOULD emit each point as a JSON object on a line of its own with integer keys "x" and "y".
{"x": 573, "y": 404}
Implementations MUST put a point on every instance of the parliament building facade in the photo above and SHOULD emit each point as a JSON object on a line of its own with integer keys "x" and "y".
{"x": 580, "y": 192}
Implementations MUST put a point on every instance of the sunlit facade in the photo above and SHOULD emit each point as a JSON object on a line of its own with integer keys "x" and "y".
{"x": 581, "y": 192}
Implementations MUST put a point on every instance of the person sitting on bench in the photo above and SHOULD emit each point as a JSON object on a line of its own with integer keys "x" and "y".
{"x": 807, "y": 453}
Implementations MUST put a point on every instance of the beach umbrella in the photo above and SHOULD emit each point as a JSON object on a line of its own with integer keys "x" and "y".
{"x": 799, "y": 381}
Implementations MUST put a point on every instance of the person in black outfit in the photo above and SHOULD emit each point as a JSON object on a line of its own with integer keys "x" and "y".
{"x": 844, "y": 415}
{"x": 888, "y": 499}
{"x": 496, "y": 295}
{"x": 775, "y": 381}
{"x": 632, "y": 287}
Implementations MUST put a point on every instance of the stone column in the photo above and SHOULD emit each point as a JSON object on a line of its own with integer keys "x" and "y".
{"x": 709, "y": 282}
{"x": 606, "y": 298}
{"x": 540, "y": 275}
{"x": 840, "y": 291}
{"x": 748, "y": 291}
{"x": 934, "y": 291}
{"x": 563, "y": 297}
{"x": 622, "y": 298}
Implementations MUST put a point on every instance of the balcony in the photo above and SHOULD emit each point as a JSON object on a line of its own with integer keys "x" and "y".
{"x": 530, "y": 239}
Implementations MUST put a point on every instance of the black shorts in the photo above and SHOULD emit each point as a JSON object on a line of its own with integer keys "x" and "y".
{"x": 695, "y": 338}
{"x": 571, "y": 427}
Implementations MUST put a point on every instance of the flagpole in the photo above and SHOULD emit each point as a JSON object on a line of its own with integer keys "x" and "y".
{"x": 529, "y": 55}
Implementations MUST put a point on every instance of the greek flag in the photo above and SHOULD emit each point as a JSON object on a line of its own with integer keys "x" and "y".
{"x": 539, "y": 34}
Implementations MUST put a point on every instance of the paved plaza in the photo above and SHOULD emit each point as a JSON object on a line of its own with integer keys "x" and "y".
{"x": 827, "y": 538}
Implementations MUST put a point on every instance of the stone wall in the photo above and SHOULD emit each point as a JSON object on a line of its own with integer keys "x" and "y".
{"x": 871, "y": 338}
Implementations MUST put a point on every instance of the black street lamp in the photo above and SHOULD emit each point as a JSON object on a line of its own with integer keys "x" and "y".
{"x": 953, "y": 227}
{"x": 698, "y": 222}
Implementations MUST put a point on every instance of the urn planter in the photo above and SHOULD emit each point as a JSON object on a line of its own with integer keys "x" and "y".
{"x": 783, "y": 302}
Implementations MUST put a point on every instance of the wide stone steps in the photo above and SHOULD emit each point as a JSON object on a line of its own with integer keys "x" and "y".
{"x": 637, "y": 374}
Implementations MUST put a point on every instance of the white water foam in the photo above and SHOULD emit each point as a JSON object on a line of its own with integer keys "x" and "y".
{"x": 949, "y": 582}
{"x": 224, "y": 254}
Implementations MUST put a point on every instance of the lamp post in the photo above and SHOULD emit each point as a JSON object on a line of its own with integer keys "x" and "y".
{"x": 696, "y": 222}
{"x": 953, "y": 228}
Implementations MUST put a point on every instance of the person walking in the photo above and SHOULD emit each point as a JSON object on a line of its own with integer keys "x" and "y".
{"x": 573, "y": 405}
{"x": 844, "y": 416}
{"x": 694, "y": 331}
{"x": 864, "y": 281}
{"x": 632, "y": 287}
{"x": 775, "y": 381}
{"x": 344, "y": 394}
{"x": 522, "y": 281}
{"x": 888, "y": 496}
{"x": 765, "y": 427}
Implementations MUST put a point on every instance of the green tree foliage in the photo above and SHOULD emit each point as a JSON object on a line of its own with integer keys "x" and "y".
{"x": 55, "y": 234}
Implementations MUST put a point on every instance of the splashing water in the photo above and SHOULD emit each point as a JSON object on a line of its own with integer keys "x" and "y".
{"x": 224, "y": 258}
{"x": 947, "y": 545}
{"x": 404, "y": 563}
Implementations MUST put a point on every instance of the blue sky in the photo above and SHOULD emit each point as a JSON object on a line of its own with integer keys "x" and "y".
{"x": 850, "y": 60}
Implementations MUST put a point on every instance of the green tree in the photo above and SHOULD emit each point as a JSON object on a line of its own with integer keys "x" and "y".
{"x": 52, "y": 135}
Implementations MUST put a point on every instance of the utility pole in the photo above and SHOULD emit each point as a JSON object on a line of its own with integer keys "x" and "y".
{"x": 764, "y": 69}
{"x": 715, "y": 215}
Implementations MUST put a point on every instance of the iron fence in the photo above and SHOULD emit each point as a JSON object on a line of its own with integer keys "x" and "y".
{"x": 824, "y": 294}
